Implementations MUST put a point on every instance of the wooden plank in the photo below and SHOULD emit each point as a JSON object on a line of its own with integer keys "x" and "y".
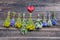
{"x": 43, "y": 29}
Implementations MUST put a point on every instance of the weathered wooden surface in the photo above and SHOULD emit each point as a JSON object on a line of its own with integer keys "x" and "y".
{"x": 43, "y": 34}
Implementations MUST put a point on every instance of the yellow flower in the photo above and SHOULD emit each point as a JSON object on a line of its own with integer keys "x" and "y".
{"x": 6, "y": 24}
{"x": 30, "y": 27}
{"x": 18, "y": 25}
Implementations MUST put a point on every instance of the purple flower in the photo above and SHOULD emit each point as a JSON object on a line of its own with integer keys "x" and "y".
{"x": 44, "y": 24}
{"x": 54, "y": 22}
{"x": 12, "y": 22}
